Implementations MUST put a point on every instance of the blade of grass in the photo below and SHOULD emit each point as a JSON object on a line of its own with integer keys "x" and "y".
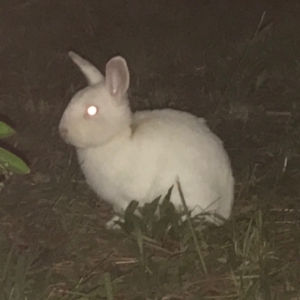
{"x": 108, "y": 286}
{"x": 240, "y": 61}
{"x": 200, "y": 255}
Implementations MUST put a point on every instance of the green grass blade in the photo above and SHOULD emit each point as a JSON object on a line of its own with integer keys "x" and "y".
{"x": 108, "y": 286}
{"x": 200, "y": 255}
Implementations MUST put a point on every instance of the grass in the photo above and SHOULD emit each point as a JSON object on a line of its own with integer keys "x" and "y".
{"x": 244, "y": 81}
{"x": 248, "y": 258}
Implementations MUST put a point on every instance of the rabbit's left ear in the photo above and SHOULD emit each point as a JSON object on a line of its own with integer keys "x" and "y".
{"x": 117, "y": 76}
{"x": 91, "y": 73}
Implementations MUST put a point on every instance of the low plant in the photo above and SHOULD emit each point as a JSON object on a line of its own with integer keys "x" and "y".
{"x": 9, "y": 162}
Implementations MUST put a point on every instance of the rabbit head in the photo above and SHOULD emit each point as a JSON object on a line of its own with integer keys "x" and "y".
{"x": 101, "y": 111}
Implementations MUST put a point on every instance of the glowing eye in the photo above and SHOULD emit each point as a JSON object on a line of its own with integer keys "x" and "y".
{"x": 92, "y": 110}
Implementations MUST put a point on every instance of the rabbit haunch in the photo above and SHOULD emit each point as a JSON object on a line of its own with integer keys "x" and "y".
{"x": 139, "y": 156}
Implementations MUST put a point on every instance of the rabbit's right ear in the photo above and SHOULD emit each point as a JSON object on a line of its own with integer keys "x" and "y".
{"x": 117, "y": 76}
{"x": 91, "y": 73}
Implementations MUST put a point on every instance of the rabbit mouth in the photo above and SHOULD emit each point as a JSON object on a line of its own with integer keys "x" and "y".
{"x": 65, "y": 136}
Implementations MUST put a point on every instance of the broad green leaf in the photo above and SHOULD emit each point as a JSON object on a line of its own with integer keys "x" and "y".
{"x": 167, "y": 208}
{"x": 5, "y": 130}
{"x": 129, "y": 217}
{"x": 132, "y": 206}
{"x": 150, "y": 209}
{"x": 12, "y": 162}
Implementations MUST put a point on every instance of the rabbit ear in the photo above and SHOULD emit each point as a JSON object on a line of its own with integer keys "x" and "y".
{"x": 91, "y": 73}
{"x": 117, "y": 76}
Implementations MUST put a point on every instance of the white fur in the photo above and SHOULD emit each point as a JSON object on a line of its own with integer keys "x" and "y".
{"x": 139, "y": 156}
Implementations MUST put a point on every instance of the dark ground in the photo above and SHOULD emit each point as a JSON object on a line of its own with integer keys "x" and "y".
{"x": 224, "y": 60}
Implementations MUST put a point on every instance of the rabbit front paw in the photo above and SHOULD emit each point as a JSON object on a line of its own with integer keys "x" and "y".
{"x": 111, "y": 223}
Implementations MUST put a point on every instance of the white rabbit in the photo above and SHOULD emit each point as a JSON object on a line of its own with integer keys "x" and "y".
{"x": 139, "y": 156}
